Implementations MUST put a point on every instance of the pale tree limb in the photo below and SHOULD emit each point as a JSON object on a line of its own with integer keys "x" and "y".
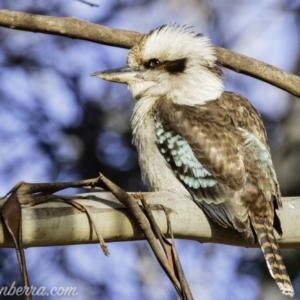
{"x": 76, "y": 28}
{"x": 25, "y": 194}
{"x": 56, "y": 223}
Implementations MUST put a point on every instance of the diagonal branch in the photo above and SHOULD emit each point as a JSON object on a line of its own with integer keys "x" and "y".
{"x": 69, "y": 27}
{"x": 76, "y": 28}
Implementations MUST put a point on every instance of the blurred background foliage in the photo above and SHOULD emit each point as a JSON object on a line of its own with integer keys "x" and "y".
{"x": 58, "y": 124}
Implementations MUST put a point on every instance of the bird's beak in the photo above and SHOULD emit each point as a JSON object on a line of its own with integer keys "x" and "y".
{"x": 121, "y": 75}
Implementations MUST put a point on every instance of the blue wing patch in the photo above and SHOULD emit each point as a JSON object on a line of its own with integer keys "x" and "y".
{"x": 178, "y": 153}
{"x": 206, "y": 191}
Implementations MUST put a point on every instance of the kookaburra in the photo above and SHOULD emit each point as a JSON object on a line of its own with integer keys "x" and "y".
{"x": 200, "y": 142}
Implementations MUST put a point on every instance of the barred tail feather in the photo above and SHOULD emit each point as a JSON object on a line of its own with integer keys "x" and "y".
{"x": 270, "y": 249}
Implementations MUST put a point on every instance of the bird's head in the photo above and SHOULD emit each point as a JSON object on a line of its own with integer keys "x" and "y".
{"x": 174, "y": 62}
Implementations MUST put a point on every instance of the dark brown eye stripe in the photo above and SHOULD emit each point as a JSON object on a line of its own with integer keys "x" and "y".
{"x": 171, "y": 66}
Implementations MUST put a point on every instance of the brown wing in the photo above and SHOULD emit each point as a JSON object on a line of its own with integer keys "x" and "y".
{"x": 219, "y": 151}
{"x": 211, "y": 134}
{"x": 248, "y": 118}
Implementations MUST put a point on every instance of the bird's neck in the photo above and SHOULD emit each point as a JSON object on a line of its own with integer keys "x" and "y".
{"x": 141, "y": 114}
{"x": 196, "y": 89}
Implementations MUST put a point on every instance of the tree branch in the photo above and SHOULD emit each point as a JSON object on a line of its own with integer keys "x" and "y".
{"x": 69, "y": 27}
{"x": 75, "y": 28}
{"x": 56, "y": 223}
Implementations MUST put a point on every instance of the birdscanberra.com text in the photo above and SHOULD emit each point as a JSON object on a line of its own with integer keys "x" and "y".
{"x": 14, "y": 290}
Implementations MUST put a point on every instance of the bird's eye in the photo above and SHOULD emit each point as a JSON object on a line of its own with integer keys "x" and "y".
{"x": 152, "y": 63}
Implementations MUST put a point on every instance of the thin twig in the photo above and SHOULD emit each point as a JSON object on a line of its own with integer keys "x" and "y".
{"x": 89, "y": 3}
{"x": 173, "y": 257}
{"x": 183, "y": 281}
{"x": 154, "y": 225}
{"x": 86, "y": 209}
{"x": 131, "y": 203}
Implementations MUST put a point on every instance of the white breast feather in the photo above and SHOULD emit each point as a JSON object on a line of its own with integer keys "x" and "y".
{"x": 156, "y": 173}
